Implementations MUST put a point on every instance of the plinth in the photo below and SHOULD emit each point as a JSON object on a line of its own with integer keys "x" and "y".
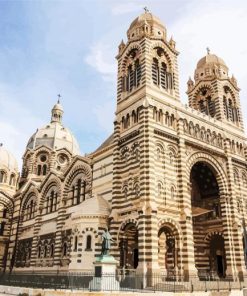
{"x": 105, "y": 274}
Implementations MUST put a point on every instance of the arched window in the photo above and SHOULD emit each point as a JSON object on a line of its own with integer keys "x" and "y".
{"x": 158, "y": 154}
{"x": 155, "y": 71}
{"x": 65, "y": 249}
{"x": 225, "y": 107}
{"x": 45, "y": 251}
{"x": 29, "y": 253}
{"x": 137, "y": 154}
{"x": 29, "y": 208}
{"x": 51, "y": 201}
{"x": 130, "y": 78}
{"x": 138, "y": 72}
{"x": 230, "y": 109}
{"x": 2, "y": 226}
{"x": 133, "y": 75}
{"x": 125, "y": 191}
{"x": 39, "y": 251}
{"x": 52, "y": 250}
{"x": 3, "y": 177}
{"x": 159, "y": 189}
{"x": 171, "y": 158}
{"x": 39, "y": 170}
{"x": 44, "y": 169}
{"x": 75, "y": 243}
{"x": 172, "y": 193}
{"x": 89, "y": 243}
{"x": 137, "y": 190}
{"x": 12, "y": 180}
{"x": 163, "y": 75}
{"x": 160, "y": 74}
{"x": 5, "y": 211}
{"x": 79, "y": 192}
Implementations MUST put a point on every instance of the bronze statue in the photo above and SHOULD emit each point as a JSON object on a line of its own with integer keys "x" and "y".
{"x": 106, "y": 243}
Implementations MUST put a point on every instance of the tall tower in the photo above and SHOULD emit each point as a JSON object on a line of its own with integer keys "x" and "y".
{"x": 148, "y": 90}
{"x": 147, "y": 64}
{"x": 214, "y": 92}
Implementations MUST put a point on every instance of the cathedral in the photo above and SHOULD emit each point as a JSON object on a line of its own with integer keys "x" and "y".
{"x": 170, "y": 183}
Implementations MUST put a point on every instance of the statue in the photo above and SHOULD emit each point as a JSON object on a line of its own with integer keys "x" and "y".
{"x": 106, "y": 243}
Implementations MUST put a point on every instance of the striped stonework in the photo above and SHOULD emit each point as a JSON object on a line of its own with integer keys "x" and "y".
{"x": 170, "y": 182}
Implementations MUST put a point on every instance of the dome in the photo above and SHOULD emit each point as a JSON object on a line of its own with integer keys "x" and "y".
{"x": 211, "y": 66}
{"x": 211, "y": 60}
{"x": 7, "y": 160}
{"x": 54, "y": 135}
{"x": 146, "y": 25}
{"x": 147, "y": 17}
{"x": 58, "y": 106}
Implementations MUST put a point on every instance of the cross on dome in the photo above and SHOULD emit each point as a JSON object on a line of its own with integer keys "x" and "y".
{"x": 59, "y": 97}
{"x": 146, "y": 9}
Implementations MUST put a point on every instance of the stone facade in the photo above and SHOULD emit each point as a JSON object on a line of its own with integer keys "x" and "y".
{"x": 170, "y": 182}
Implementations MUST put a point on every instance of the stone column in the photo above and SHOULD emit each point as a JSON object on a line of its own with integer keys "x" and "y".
{"x": 232, "y": 225}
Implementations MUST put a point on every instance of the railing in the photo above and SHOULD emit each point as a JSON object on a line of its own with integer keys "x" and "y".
{"x": 125, "y": 282}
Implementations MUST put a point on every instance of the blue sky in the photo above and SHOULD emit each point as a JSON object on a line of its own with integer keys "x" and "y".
{"x": 69, "y": 47}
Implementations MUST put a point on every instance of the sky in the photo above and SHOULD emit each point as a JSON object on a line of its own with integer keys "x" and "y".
{"x": 68, "y": 47}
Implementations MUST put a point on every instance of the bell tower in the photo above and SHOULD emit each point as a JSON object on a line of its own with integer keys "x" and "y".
{"x": 147, "y": 94}
{"x": 147, "y": 63}
{"x": 214, "y": 93}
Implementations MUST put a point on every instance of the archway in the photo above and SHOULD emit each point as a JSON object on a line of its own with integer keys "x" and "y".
{"x": 217, "y": 256}
{"x": 129, "y": 252}
{"x": 167, "y": 256}
{"x": 206, "y": 212}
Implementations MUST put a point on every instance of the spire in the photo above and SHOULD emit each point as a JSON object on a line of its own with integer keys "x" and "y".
{"x": 57, "y": 111}
{"x": 121, "y": 46}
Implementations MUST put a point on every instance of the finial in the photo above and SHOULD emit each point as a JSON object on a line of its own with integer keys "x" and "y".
{"x": 59, "y": 96}
{"x": 1, "y": 144}
{"x": 146, "y": 9}
{"x": 208, "y": 50}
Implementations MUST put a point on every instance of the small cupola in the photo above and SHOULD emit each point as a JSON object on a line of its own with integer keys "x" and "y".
{"x": 57, "y": 112}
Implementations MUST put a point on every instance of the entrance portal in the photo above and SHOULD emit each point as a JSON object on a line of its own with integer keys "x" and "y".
{"x": 206, "y": 212}
{"x": 129, "y": 254}
{"x": 167, "y": 251}
{"x": 217, "y": 256}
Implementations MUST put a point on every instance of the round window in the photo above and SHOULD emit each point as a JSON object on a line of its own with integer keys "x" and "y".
{"x": 43, "y": 158}
{"x": 62, "y": 159}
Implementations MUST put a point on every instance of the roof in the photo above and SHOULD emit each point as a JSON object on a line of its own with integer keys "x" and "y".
{"x": 146, "y": 17}
{"x": 55, "y": 136}
{"x": 211, "y": 59}
{"x": 106, "y": 143}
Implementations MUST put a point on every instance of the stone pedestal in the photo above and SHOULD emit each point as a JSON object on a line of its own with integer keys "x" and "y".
{"x": 105, "y": 274}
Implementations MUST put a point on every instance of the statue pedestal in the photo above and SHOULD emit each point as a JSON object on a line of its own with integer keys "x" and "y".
{"x": 105, "y": 274}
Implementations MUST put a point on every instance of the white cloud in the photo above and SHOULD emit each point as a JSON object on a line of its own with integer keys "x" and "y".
{"x": 100, "y": 59}
{"x": 218, "y": 25}
{"x": 16, "y": 123}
